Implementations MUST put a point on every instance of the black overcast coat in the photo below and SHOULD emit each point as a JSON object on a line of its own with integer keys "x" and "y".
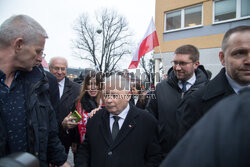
{"x": 164, "y": 103}
{"x": 194, "y": 107}
{"x": 220, "y": 139}
{"x": 136, "y": 144}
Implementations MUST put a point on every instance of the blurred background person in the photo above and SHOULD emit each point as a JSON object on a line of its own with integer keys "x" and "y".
{"x": 138, "y": 97}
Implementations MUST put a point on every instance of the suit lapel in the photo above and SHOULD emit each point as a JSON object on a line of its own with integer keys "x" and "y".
{"x": 128, "y": 125}
{"x": 105, "y": 128}
{"x": 66, "y": 90}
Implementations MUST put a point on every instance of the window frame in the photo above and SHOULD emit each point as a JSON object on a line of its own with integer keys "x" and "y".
{"x": 182, "y": 10}
{"x": 238, "y": 14}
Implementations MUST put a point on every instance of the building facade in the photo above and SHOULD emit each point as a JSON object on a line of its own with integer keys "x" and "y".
{"x": 201, "y": 23}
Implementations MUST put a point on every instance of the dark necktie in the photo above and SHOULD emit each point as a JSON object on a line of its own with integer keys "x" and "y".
{"x": 184, "y": 86}
{"x": 115, "y": 128}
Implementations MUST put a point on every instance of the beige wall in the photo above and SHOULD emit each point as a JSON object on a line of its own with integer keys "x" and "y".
{"x": 212, "y": 41}
{"x": 163, "y": 6}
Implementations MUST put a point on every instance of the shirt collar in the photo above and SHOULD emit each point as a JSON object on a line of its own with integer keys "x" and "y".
{"x": 123, "y": 114}
{"x": 236, "y": 87}
{"x": 61, "y": 83}
{"x": 3, "y": 75}
{"x": 190, "y": 81}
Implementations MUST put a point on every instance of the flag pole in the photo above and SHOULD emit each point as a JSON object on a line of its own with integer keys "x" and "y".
{"x": 163, "y": 61}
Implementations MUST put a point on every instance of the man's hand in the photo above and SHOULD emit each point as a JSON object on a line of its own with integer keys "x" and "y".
{"x": 92, "y": 113}
{"x": 68, "y": 122}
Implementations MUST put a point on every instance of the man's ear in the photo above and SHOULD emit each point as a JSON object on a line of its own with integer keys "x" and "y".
{"x": 222, "y": 58}
{"x": 196, "y": 64}
{"x": 18, "y": 44}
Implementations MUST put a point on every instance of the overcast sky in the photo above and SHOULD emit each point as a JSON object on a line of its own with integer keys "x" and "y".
{"x": 58, "y": 17}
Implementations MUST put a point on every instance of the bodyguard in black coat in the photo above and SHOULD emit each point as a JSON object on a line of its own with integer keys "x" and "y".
{"x": 234, "y": 77}
{"x": 194, "y": 107}
{"x": 135, "y": 145}
{"x": 220, "y": 138}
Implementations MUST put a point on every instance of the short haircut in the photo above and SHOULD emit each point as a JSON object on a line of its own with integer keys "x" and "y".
{"x": 53, "y": 58}
{"x": 117, "y": 82}
{"x": 21, "y": 26}
{"x": 230, "y": 32}
{"x": 189, "y": 49}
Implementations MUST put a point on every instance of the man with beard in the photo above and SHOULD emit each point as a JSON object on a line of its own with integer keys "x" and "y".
{"x": 185, "y": 77}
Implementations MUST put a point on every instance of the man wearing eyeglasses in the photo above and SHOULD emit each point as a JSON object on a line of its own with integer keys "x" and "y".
{"x": 185, "y": 77}
{"x": 68, "y": 92}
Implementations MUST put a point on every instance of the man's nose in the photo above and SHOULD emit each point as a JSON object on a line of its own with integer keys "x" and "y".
{"x": 177, "y": 67}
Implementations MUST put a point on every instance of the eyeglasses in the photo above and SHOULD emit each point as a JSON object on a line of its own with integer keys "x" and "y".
{"x": 59, "y": 68}
{"x": 181, "y": 63}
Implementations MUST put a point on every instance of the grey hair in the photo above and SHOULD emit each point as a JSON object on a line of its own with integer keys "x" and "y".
{"x": 118, "y": 82}
{"x": 21, "y": 26}
{"x": 58, "y": 57}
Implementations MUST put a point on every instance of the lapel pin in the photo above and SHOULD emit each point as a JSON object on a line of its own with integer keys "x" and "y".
{"x": 130, "y": 126}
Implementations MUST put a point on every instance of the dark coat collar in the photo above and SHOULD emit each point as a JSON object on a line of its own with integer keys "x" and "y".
{"x": 200, "y": 72}
{"x": 218, "y": 86}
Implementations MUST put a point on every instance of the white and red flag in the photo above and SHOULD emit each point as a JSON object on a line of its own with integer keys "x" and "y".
{"x": 147, "y": 44}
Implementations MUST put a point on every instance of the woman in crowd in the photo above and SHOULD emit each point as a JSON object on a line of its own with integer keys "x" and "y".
{"x": 88, "y": 103}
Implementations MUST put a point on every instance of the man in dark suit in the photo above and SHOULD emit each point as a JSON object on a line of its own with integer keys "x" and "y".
{"x": 120, "y": 135}
{"x": 233, "y": 77}
{"x": 220, "y": 138}
{"x": 68, "y": 92}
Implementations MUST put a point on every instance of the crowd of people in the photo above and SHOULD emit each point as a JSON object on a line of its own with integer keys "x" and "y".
{"x": 186, "y": 120}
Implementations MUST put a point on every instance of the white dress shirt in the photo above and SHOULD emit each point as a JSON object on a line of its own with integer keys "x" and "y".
{"x": 61, "y": 87}
{"x": 136, "y": 98}
{"x": 190, "y": 82}
{"x": 236, "y": 87}
{"x": 122, "y": 116}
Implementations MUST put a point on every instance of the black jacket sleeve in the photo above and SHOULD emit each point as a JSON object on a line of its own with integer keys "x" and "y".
{"x": 83, "y": 153}
{"x": 56, "y": 151}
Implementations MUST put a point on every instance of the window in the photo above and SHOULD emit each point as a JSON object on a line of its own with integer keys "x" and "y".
{"x": 184, "y": 18}
{"x": 193, "y": 16}
{"x": 173, "y": 20}
{"x": 245, "y": 8}
{"x": 230, "y": 9}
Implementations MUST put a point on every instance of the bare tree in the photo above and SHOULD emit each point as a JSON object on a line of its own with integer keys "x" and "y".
{"x": 103, "y": 44}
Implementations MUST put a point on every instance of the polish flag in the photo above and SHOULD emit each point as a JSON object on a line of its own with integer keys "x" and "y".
{"x": 147, "y": 44}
